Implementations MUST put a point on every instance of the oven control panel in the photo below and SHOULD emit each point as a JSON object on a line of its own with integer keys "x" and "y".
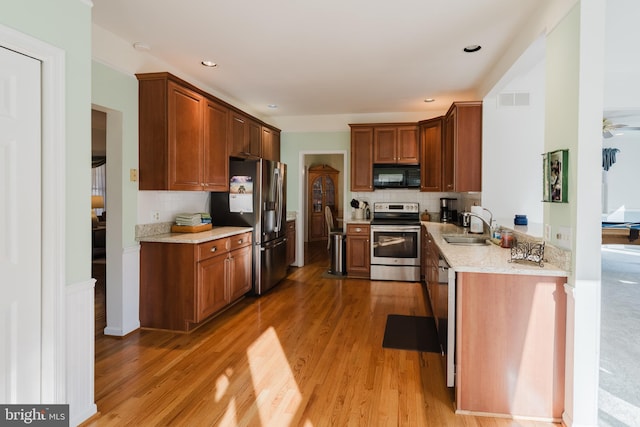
{"x": 391, "y": 207}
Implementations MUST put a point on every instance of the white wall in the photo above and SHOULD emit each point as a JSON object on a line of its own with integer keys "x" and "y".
{"x": 513, "y": 141}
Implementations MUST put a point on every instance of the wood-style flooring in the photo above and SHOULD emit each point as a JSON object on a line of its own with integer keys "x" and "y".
{"x": 307, "y": 353}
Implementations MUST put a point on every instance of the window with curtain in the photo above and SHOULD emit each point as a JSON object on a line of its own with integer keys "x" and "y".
{"x": 99, "y": 180}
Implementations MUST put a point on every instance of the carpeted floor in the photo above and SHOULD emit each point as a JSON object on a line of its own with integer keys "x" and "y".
{"x": 619, "y": 398}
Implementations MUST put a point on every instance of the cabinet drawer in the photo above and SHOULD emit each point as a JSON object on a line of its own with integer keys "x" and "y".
{"x": 358, "y": 229}
{"x": 213, "y": 248}
{"x": 239, "y": 241}
{"x": 291, "y": 226}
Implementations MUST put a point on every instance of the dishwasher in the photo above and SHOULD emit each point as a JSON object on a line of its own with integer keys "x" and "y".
{"x": 446, "y": 316}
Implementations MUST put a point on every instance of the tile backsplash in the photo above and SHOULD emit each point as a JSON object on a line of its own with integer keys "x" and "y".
{"x": 427, "y": 201}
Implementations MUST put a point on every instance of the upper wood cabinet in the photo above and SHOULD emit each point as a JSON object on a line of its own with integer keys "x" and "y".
{"x": 186, "y": 136}
{"x": 245, "y": 137}
{"x": 396, "y": 144}
{"x": 270, "y": 144}
{"x": 462, "y": 153}
{"x": 431, "y": 132}
{"x": 361, "y": 158}
{"x": 182, "y": 137}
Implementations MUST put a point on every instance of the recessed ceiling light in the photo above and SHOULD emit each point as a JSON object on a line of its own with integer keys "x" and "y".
{"x": 143, "y": 47}
{"x": 429, "y": 100}
{"x": 472, "y": 48}
{"x": 209, "y": 64}
{"x": 272, "y": 106}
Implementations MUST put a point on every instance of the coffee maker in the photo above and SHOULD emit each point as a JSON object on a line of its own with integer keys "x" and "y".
{"x": 448, "y": 213}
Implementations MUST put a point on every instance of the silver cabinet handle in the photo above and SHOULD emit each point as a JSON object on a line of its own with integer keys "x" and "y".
{"x": 358, "y": 230}
{"x": 213, "y": 249}
{"x": 240, "y": 241}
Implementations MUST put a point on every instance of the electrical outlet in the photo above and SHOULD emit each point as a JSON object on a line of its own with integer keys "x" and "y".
{"x": 133, "y": 175}
{"x": 155, "y": 216}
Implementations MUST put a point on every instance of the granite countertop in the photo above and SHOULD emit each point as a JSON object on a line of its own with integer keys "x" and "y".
{"x": 194, "y": 238}
{"x": 485, "y": 259}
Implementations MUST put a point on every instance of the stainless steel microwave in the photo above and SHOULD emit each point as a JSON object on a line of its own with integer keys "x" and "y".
{"x": 396, "y": 176}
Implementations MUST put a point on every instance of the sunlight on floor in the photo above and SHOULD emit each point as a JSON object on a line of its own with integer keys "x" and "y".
{"x": 620, "y": 411}
{"x": 278, "y": 396}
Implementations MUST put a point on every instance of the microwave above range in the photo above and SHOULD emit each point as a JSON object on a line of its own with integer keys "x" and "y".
{"x": 395, "y": 176}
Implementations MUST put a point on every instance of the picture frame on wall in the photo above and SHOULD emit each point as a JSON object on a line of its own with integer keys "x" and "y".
{"x": 555, "y": 173}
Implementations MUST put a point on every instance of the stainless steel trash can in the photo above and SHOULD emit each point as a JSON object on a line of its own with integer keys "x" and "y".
{"x": 338, "y": 253}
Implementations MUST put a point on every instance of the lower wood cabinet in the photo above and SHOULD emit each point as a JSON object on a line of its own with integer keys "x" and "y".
{"x": 358, "y": 250}
{"x": 291, "y": 242}
{"x": 183, "y": 284}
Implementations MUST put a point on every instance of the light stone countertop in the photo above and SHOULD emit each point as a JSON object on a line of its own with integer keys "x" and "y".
{"x": 194, "y": 238}
{"x": 485, "y": 259}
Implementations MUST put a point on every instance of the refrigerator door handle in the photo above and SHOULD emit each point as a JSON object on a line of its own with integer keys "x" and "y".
{"x": 278, "y": 180}
{"x": 282, "y": 242}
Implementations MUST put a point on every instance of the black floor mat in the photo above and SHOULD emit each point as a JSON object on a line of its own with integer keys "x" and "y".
{"x": 411, "y": 333}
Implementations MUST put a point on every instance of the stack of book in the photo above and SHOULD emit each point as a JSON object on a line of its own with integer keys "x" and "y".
{"x": 188, "y": 219}
{"x": 206, "y": 218}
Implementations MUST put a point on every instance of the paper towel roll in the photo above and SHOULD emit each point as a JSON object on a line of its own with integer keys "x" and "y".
{"x": 476, "y": 225}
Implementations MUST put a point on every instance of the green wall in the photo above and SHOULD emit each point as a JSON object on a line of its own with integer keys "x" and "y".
{"x": 66, "y": 24}
{"x": 118, "y": 94}
{"x": 293, "y": 143}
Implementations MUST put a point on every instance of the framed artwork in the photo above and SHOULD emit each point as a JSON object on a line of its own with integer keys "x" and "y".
{"x": 555, "y": 166}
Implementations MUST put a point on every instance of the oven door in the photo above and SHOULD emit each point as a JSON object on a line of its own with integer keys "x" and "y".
{"x": 395, "y": 245}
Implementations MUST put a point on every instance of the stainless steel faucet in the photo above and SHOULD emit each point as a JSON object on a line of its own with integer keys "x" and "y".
{"x": 484, "y": 221}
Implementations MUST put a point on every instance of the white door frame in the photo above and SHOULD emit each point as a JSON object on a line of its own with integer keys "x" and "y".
{"x": 53, "y": 380}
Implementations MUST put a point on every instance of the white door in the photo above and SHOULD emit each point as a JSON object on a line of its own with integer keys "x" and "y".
{"x": 20, "y": 228}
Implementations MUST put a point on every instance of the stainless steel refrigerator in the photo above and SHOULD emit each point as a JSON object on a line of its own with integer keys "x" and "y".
{"x": 257, "y": 198}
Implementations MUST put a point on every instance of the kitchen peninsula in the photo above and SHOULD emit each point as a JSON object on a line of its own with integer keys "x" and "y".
{"x": 187, "y": 278}
{"x": 507, "y": 321}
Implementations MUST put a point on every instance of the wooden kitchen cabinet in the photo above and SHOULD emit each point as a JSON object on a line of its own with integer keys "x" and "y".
{"x": 291, "y": 242}
{"x": 270, "y": 144}
{"x": 510, "y": 344}
{"x": 184, "y": 284}
{"x": 396, "y": 144}
{"x": 358, "y": 250}
{"x": 245, "y": 136}
{"x": 182, "y": 136}
{"x": 361, "y": 158}
{"x": 431, "y": 133}
{"x": 323, "y": 192}
{"x": 462, "y": 152}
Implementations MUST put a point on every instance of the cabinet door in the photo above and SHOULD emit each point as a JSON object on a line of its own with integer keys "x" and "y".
{"x": 448, "y": 160}
{"x": 275, "y": 145}
{"x": 407, "y": 148}
{"x": 384, "y": 145}
{"x": 255, "y": 138}
{"x": 239, "y": 134}
{"x": 361, "y": 159}
{"x": 291, "y": 242}
{"x": 431, "y": 155}
{"x": 267, "y": 143}
{"x": 358, "y": 250}
{"x": 358, "y": 262}
{"x": 216, "y": 158}
{"x": 212, "y": 292}
{"x": 468, "y": 146}
{"x": 185, "y": 138}
{"x": 240, "y": 282}
{"x": 317, "y": 227}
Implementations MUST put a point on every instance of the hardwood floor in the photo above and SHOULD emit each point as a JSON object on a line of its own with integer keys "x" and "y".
{"x": 307, "y": 353}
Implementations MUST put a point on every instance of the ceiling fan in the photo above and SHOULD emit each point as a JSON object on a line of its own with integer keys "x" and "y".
{"x": 609, "y": 128}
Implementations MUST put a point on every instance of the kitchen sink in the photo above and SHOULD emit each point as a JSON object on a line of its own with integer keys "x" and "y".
{"x": 465, "y": 239}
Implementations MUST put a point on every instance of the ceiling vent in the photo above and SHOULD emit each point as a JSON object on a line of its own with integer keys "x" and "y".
{"x": 513, "y": 99}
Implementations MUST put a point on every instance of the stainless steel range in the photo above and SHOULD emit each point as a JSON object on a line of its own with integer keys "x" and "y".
{"x": 395, "y": 242}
